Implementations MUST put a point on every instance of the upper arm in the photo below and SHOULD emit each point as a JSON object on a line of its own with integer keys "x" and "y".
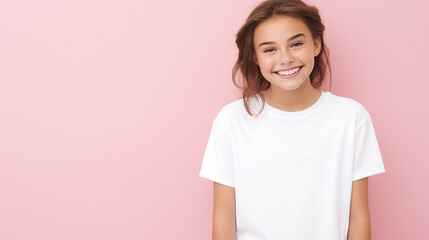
{"x": 223, "y": 203}
{"x": 359, "y": 199}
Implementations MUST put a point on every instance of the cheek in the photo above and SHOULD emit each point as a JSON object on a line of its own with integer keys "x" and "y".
{"x": 265, "y": 64}
{"x": 307, "y": 56}
{"x": 266, "y": 71}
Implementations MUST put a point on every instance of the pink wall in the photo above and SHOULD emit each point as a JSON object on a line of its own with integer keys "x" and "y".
{"x": 106, "y": 106}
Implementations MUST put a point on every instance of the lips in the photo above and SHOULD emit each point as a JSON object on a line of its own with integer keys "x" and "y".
{"x": 290, "y": 72}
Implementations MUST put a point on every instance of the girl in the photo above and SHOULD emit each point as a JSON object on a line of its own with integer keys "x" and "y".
{"x": 289, "y": 161}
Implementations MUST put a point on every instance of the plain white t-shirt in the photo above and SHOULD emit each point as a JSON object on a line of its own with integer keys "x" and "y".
{"x": 292, "y": 171}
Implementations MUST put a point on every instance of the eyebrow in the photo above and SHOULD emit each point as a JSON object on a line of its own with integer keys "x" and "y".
{"x": 290, "y": 39}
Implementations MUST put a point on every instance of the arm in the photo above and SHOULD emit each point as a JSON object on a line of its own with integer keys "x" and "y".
{"x": 224, "y": 224}
{"x": 359, "y": 223}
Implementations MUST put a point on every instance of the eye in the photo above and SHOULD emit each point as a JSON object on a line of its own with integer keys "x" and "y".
{"x": 297, "y": 44}
{"x": 268, "y": 50}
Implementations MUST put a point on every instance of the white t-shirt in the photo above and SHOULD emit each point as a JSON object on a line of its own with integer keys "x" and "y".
{"x": 292, "y": 171}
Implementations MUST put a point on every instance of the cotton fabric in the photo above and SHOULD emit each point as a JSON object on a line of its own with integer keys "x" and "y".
{"x": 292, "y": 171}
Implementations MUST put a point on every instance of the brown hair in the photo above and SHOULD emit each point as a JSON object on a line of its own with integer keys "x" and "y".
{"x": 253, "y": 81}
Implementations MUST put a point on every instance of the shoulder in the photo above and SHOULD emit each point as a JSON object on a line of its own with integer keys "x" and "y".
{"x": 229, "y": 111}
{"x": 234, "y": 114}
{"x": 348, "y": 107}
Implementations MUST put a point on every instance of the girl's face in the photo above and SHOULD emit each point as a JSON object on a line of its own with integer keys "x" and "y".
{"x": 285, "y": 52}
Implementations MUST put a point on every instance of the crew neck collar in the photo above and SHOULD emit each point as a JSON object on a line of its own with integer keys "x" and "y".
{"x": 286, "y": 114}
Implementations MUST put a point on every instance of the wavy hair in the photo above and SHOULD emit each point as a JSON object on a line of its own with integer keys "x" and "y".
{"x": 253, "y": 81}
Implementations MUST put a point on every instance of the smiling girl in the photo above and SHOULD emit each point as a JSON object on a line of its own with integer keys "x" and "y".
{"x": 289, "y": 161}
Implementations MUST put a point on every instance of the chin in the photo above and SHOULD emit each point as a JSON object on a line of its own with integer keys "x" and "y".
{"x": 292, "y": 87}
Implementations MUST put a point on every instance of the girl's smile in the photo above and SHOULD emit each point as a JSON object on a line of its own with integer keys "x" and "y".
{"x": 289, "y": 73}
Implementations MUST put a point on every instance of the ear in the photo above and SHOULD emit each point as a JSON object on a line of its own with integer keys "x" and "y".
{"x": 317, "y": 46}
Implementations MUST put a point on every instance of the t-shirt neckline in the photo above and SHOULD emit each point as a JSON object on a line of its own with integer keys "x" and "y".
{"x": 286, "y": 114}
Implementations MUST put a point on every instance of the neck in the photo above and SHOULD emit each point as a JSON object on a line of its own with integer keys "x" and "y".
{"x": 292, "y": 100}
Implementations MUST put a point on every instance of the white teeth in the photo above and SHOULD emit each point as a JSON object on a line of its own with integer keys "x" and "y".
{"x": 289, "y": 72}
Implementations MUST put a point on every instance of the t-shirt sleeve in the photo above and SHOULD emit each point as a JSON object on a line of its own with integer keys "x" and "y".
{"x": 367, "y": 156}
{"x": 217, "y": 163}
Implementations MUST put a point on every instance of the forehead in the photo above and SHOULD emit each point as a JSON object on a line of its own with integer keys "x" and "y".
{"x": 279, "y": 28}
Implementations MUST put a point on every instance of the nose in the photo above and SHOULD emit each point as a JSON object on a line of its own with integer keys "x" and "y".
{"x": 286, "y": 57}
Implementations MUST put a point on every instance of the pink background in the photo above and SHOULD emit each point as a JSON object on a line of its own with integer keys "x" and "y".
{"x": 106, "y": 108}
